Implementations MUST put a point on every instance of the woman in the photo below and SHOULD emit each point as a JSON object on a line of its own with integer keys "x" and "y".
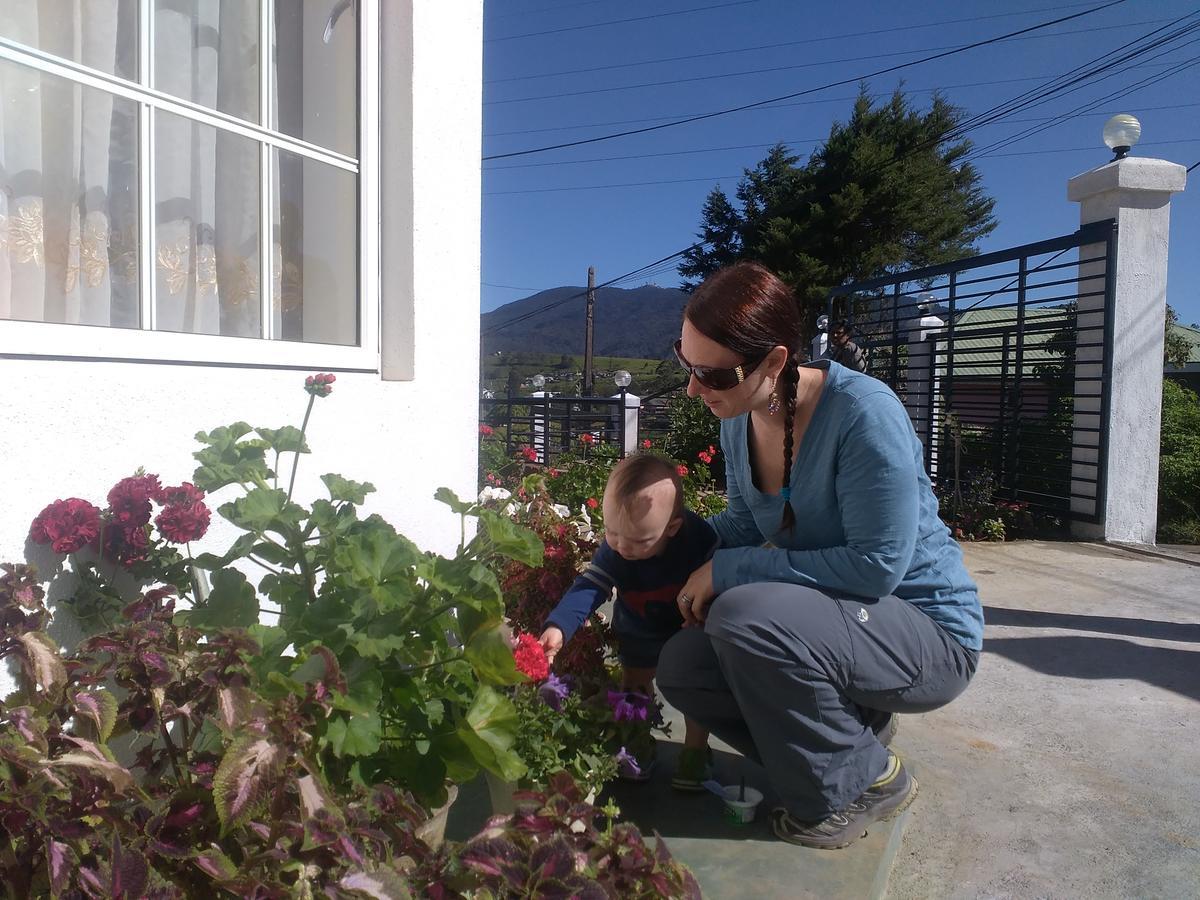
{"x": 859, "y": 608}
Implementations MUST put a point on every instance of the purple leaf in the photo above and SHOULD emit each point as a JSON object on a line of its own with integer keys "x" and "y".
{"x": 216, "y": 865}
{"x": 101, "y": 708}
{"x": 116, "y": 775}
{"x": 381, "y": 884}
{"x": 60, "y": 859}
{"x": 42, "y": 661}
{"x": 247, "y": 772}
{"x": 129, "y": 872}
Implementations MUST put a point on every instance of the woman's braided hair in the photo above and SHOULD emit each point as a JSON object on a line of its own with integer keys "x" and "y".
{"x": 748, "y": 309}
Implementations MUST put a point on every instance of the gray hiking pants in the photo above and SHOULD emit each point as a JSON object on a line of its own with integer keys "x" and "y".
{"x": 801, "y": 681}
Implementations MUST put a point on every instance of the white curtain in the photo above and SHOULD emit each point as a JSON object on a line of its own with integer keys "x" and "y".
{"x": 68, "y": 170}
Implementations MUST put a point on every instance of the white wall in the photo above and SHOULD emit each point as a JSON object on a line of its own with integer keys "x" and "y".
{"x": 72, "y": 428}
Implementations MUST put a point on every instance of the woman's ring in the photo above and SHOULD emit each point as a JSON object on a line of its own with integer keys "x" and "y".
{"x": 685, "y": 600}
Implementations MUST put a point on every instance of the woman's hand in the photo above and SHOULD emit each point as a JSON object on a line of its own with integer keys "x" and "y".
{"x": 551, "y": 641}
{"x": 696, "y": 596}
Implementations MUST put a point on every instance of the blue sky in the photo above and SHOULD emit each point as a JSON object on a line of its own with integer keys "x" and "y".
{"x": 548, "y": 216}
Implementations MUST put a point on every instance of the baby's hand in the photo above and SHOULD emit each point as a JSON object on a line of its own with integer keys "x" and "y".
{"x": 551, "y": 641}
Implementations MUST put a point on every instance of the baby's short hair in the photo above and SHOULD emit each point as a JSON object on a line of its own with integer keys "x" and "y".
{"x": 634, "y": 474}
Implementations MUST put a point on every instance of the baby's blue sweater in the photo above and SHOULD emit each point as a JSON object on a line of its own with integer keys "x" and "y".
{"x": 866, "y": 517}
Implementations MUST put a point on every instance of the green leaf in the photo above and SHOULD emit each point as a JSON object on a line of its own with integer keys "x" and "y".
{"x": 216, "y": 865}
{"x": 287, "y": 439}
{"x": 262, "y": 510}
{"x": 489, "y": 730}
{"x": 343, "y": 489}
{"x": 512, "y": 540}
{"x": 447, "y": 496}
{"x": 100, "y": 707}
{"x": 273, "y": 553}
{"x": 245, "y": 778}
{"x": 357, "y": 735}
{"x": 231, "y": 604}
{"x": 467, "y": 581}
{"x": 238, "y": 550}
{"x": 229, "y": 460}
{"x": 376, "y": 553}
{"x": 364, "y": 690}
{"x": 491, "y": 656}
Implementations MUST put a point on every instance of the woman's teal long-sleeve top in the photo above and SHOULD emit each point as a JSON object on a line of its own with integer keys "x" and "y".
{"x": 866, "y": 517}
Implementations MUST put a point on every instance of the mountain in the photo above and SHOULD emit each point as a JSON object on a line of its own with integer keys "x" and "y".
{"x": 640, "y": 322}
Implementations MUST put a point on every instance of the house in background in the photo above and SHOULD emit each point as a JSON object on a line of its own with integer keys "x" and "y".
{"x": 1188, "y": 374}
{"x": 160, "y": 163}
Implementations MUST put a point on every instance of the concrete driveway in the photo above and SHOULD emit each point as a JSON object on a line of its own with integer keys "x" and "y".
{"x": 1071, "y": 767}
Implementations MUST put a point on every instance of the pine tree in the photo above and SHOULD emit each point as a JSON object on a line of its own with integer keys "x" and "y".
{"x": 886, "y": 191}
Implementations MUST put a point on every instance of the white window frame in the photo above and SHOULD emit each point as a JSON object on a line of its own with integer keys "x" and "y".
{"x": 24, "y": 339}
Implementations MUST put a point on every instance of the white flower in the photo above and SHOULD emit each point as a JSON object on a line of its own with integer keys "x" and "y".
{"x": 561, "y": 511}
{"x": 493, "y": 493}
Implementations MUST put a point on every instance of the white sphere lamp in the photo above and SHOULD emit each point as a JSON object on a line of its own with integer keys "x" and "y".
{"x": 1121, "y": 132}
{"x": 622, "y": 378}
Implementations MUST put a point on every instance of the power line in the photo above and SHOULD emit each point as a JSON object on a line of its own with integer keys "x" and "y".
{"x": 1193, "y": 165}
{"x": 510, "y": 287}
{"x": 791, "y": 68}
{"x": 832, "y": 37}
{"x": 895, "y": 68}
{"x": 790, "y": 142}
{"x": 988, "y": 155}
{"x": 678, "y": 12}
{"x": 541, "y": 9}
{"x": 844, "y": 99}
{"x": 1079, "y": 74}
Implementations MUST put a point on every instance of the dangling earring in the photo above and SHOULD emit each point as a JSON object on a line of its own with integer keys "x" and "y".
{"x": 773, "y": 402}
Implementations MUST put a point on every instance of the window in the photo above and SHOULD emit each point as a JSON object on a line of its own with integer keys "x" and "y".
{"x": 162, "y": 160}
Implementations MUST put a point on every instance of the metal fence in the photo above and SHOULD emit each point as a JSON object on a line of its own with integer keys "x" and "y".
{"x": 1004, "y": 362}
{"x": 551, "y": 426}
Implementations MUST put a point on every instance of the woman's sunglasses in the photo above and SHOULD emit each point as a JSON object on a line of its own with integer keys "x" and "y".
{"x": 717, "y": 379}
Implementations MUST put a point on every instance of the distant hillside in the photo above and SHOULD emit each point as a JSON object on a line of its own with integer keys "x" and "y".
{"x": 641, "y": 322}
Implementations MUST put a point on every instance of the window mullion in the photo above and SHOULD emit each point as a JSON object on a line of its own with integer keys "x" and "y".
{"x": 266, "y": 257}
{"x": 147, "y": 251}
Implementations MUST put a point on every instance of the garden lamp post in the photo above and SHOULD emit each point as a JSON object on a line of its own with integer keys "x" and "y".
{"x": 1121, "y": 132}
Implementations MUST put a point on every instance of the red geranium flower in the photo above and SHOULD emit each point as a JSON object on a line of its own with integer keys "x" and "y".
{"x": 646, "y": 444}
{"x": 530, "y": 657}
{"x": 592, "y": 502}
{"x": 66, "y": 525}
{"x": 130, "y": 499}
{"x": 123, "y": 545}
{"x": 185, "y": 517}
{"x": 705, "y": 458}
{"x": 486, "y": 430}
{"x": 319, "y": 385}
{"x": 530, "y": 454}
{"x": 587, "y": 437}
{"x": 681, "y": 469}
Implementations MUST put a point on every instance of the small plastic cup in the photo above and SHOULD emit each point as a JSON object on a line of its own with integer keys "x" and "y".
{"x": 741, "y": 812}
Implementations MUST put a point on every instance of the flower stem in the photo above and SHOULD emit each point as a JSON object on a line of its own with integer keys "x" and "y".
{"x": 303, "y": 428}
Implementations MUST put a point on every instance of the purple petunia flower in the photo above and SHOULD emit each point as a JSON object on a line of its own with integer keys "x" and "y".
{"x": 553, "y": 691}
{"x": 629, "y": 706}
{"x": 627, "y": 764}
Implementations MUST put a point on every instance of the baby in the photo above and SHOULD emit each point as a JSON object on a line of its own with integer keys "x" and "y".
{"x": 651, "y": 545}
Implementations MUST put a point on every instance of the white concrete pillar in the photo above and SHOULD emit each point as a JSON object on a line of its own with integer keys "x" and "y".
{"x": 538, "y": 411}
{"x": 633, "y": 411}
{"x": 923, "y": 382}
{"x": 1137, "y": 194}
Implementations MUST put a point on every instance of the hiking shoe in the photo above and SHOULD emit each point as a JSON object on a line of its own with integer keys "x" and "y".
{"x": 693, "y": 769}
{"x": 892, "y": 792}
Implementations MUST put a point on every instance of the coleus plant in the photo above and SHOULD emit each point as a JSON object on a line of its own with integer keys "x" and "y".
{"x": 154, "y": 762}
{"x": 557, "y": 845}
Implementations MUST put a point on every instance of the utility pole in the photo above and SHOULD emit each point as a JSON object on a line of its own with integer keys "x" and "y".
{"x": 588, "y": 375}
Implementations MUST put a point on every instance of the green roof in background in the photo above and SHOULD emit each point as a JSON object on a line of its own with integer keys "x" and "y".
{"x": 980, "y": 336}
{"x": 1192, "y": 336}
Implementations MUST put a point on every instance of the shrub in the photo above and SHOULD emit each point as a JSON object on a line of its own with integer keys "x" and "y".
{"x": 1179, "y": 466}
